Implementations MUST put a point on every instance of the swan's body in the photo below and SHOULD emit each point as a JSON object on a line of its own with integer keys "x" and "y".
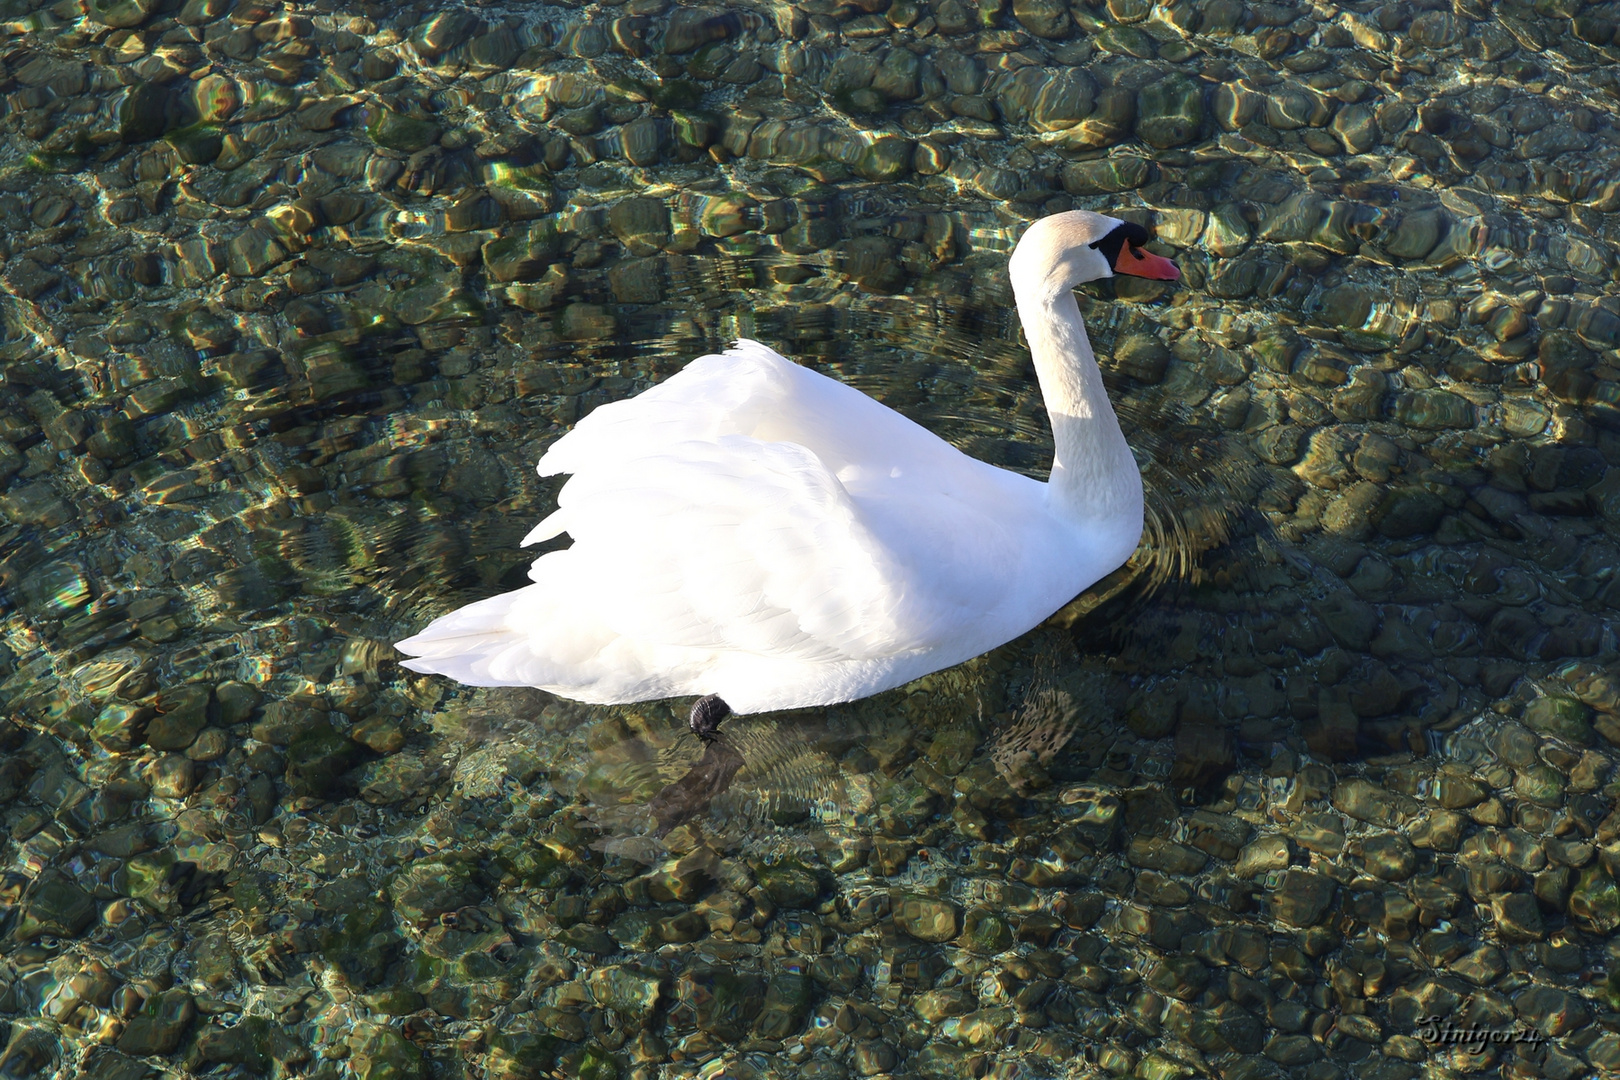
{"x": 757, "y": 531}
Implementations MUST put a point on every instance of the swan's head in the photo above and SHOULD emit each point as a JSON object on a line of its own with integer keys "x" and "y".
{"x": 1059, "y": 252}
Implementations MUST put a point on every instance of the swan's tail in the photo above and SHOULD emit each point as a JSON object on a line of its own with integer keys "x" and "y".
{"x": 477, "y": 645}
{"x": 542, "y": 636}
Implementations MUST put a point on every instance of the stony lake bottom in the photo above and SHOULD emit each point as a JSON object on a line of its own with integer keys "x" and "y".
{"x": 296, "y": 294}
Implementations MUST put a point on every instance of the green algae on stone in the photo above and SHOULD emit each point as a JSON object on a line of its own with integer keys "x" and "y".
{"x": 985, "y": 931}
{"x": 397, "y": 131}
{"x": 1142, "y": 357}
{"x": 382, "y": 1053}
{"x": 952, "y": 749}
{"x": 150, "y": 877}
{"x": 36, "y": 504}
{"x": 1541, "y": 784}
{"x": 433, "y": 301}
{"x": 1109, "y": 122}
{"x": 589, "y": 939}
{"x": 1562, "y": 717}
{"x": 198, "y": 144}
{"x": 721, "y": 1002}
{"x": 696, "y": 129}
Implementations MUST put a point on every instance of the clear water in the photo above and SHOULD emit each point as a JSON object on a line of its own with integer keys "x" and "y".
{"x": 296, "y": 296}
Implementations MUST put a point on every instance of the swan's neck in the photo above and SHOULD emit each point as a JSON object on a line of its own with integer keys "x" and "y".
{"x": 1094, "y": 475}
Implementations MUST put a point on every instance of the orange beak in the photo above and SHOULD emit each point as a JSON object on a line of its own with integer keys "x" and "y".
{"x": 1145, "y": 264}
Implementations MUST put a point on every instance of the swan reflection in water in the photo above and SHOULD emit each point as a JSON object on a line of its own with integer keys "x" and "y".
{"x": 691, "y": 795}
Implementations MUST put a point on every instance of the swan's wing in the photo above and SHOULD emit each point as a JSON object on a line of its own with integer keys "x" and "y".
{"x": 752, "y": 390}
{"x": 736, "y": 544}
{"x": 720, "y": 394}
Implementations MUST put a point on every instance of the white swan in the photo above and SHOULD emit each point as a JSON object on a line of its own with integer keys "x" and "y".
{"x": 769, "y": 538}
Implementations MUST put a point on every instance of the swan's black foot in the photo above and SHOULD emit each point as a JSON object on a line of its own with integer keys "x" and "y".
{"x": 706, "y": 717}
